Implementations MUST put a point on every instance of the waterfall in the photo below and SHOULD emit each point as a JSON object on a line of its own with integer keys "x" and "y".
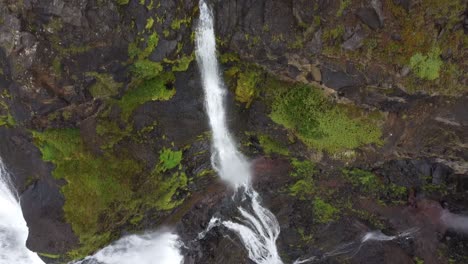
{"x": 149, "y": 248}
{"x": 258, "y": 228}
{"x": 227, "y": 161}
{"x": 13, "y": 228}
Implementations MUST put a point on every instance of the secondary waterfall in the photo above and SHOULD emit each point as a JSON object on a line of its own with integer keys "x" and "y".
{"x": 258, "y": 229}
{"x": 13, "y": 228}
{"x": 150, "y": 248}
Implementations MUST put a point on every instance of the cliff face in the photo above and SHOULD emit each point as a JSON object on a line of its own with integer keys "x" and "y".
{"x": 352, "y": 111}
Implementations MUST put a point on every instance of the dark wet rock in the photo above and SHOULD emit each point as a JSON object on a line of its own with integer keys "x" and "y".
{"x": 41, "y": 199}
{"x": 42, "y": 205}
{"x": 164, "y": 49}
{"x": 369, "y": 17}
{"x": 185, "y": 110}
{"x": 396, "y": 37}
{"x": 406, "y": 4}
{"x": 338, "y": 79}
{"x": 355, "y": 41}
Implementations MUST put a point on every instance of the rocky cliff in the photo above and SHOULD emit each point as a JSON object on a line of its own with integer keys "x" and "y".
{"x": 353, "y": 111}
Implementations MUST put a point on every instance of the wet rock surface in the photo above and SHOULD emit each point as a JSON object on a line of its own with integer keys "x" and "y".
{"x": 52, "y": 51}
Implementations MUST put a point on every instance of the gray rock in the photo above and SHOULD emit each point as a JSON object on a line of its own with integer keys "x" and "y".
{"x": 9, "y": 32}
{"x": 355, "y": 41}
{"x": 377, "y": 5}
{"x": 164, "y": 49}
{"x": 315, "y": 45}
{"x": 406, "y": 4}
{"x": 42, "y": 208}
{"x": 369, "y": 17}
{"x": 337, "y": 79}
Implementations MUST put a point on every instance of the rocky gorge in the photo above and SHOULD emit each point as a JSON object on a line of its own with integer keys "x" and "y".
{"x": 353, "y": 113}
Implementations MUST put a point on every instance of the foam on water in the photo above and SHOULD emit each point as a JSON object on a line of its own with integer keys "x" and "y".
{"x": 149, "y": 248}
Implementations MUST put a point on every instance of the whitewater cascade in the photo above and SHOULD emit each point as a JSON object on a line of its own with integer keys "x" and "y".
{"x": 162, "y": 247}
{"x": 258, "y": 228}
{"x": 352, "y": 248}
{"x": 13, "y": 228}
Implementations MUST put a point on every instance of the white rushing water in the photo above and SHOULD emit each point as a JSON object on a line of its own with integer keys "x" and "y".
{"x": 258, "y": 228}
{"x": 352, "y": 248}
{"x": 13, "y": 228}
{"x": 150, "y": 248}
{"x": 227, "y": 161}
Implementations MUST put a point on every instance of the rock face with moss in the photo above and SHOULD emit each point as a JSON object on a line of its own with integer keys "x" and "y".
{"x": 351, "y": 111}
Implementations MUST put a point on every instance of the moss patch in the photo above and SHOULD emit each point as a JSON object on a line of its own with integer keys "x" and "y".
{"x": 370, "y": 185}
{"x": 105, "y": 192}
{"x": 427, "y": 66}
{"x": 105, "y": 86}
{"x": 324, "y": 212}
{"x": 303, "y": 172}
{"x": 6, "y": 119}
{"x": 322, "y": 124}
{"x": 271, "y": 146}
{"x": 157, "y": 88}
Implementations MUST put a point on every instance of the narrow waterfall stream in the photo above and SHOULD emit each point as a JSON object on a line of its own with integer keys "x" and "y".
{"x": 13, "y": 228}
{"x": 258, "y": 229}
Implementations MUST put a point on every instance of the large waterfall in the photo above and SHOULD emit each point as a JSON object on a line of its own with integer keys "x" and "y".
{"x": 13, "y": 229}
{"x": 258, "y": 228}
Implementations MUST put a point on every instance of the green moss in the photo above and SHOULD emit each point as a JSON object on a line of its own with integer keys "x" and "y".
{"x": 369, "y": 184}
{"x": 303, "y": 172}
{"x": 343, "y": 5}
{"x": 154, "y": 89}
{"x": 168, "y": 159}
{"x": 151, "y": 44}
{"x": 246, "y": 86}
{"x": 183, "y": 63}
{"x": 50, "y": 256}
{"x": 306, "y": 238}
{"x": 146, "y": 69}
{"x": 427, "y": 66}
{"x": 321, "y": 124}
{"x": 111, "y": 131}
{"x": 57, "y": 66}
{"x": 176, "y": 23}
{"x": 105, "y": 86}
{"x": 94, "y": 184}
{"x": 334, "y": 33}
{"x": 107, "y": 191}
{"x": 324, "y": 212}
{"x": 229, "y": 57}
{"x": 122, "y": 2}
{"x": 271, "y": 146}
{"x": 6, "y": 119}
{"x": 149, "y": 23}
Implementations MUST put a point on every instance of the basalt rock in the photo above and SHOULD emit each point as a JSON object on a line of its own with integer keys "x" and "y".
{"x": 51, "y": 51}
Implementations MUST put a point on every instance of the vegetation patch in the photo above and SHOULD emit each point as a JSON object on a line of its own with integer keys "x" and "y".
{"x": 324, "y": 212}
{"x": 168, "y": 159}
{"x": 371, "y": 185}
{"x": 271, "y": 146}
{"x": 427, "y": 66}
{"x": 105, "y": 86}
{"x": 303, "y": 172}
{"x": 322, "y": 124}
{"x": 158, "y": 88}
{"x": 6, "y": 119}
{"x": 106, "y": 191}
{"x": 244, "y": 79}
